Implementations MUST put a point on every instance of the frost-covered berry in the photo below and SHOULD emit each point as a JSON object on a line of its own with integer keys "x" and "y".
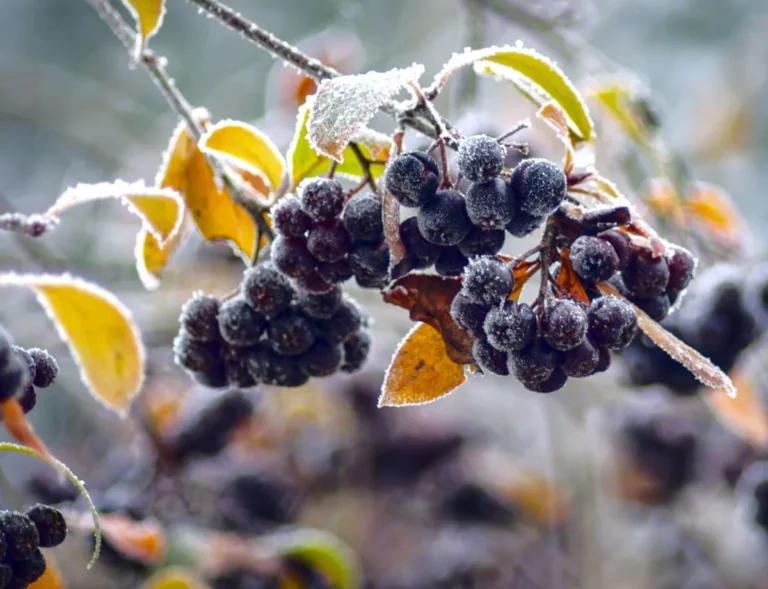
{"x": 356, "y": 349}
{"x": 273, "y": 369}
{"x": 534, "y": 363}
{"x": 288, "y": 218}
{"x": 322, "y": 359}
{"x": 612, "y": 322}
{"x": 604, "y": 362}
{"x": 199, "y": 317}
{"x": 554, "y": 382}
{"x": 657, "y": 308}
{"x": 335, "y": 272}
{"x": 443, "y": 220}
{"x": 14, "y": 374}
{"x": 50, "y": 523}
{"x": 291, "y": 333}
{"x": 291, "y": 256}
{"x": 622, "y": 245}
{"x": 480, "y": 158}
{"x": 27, "y": 571}
{"x": 423, "y": 253}
{"x": 368, "y": 280}
{"x": 27, "y": 360}
{"x": 46, "y": 367}
{"x": 196, "y": 356}
{"x": 214, "y": 378}
{"x": 320, "y": 305}
{"x": 312, "y": 282}
{"x": 321, "y": 198}
{"x": 20, "y": 534}
{"x": 510, "y": 327}
{"x": 580, "y": 361}
{"x": 369, "y": 259}
{"x": 487, "y": 280}
{"x": 239, "y": 323}
{"x": 235, "y": 360}
{"x": 468, "y": 314}
{"x": 539, "y": 186}
{"x": 490, "y": 205}
{"x": 564, "y": 324}
{"x": 329, "y": 241}
{"x": 682, "y": 265}
{"x": 451, "y": 262}
{"x": 488, "y": 358}
{"x": 524, "y": 224}
{"x": 412, "y": 178}
{"x": 28, "y": 398}
{"x": 266, "y": 290}
{"x": 646, "y": 276}
{"x": 362, "y": 218}
{"x": 6, "y": 575}
{"x": 593, "y": 259}
{"x": 348, "y": 319}
{"x": 481, "y": 242}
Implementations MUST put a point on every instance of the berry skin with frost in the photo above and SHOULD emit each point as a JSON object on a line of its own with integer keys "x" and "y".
{"x": 362, "y": 218}
{"x": 612, "y": 322}
{"x": 535, "y": 363}
{"x": 21, "y": 535}
{"x": 329, "y": 241}
{"x": 235, "y": 360}
{"x": 273, "y": 369}
{"x": 322, "y": 359}
{"x": 490, "y": 205}
{"x": 291, "y": 333}
{"x": 288, "y": 219}
{"x": 564, "y": 325}
{"x": 239, "y": 324}
{"x": 28, "y": 399}
{"x": 214, "y": 378}
{"x": 291, "y": 256}
{"x": 656, "y": 308}
{"x": 443, "y": 220}
{"x": 369, "y": 259}
{"x": 199, "y": 317}
{"x": 46, "y": 367}
{"x": 27, "y": 571}
{"x": 580, "y": 361}
{"x": 320, "y": 305}
{"x": 321, "y": 198}
{"x": 510, "y": 327}
{"x": 312, "y": 282}
{"x": 423, "y": 253}
{"x": 554, "y": 382}
{"x": 593, "y": 259}
{"x": 469, "y": 315}
{"x": 451, "y": 262}
{"x": 481, "y": 242}
{"x": 488, "y": 358}
{"x": 524, "y": 224}
{"x": 335, "y": 272}
{"x": 348, "y": 319}
{"x": 622, "y": 245}
{"x": 646, "y": 276}
{"x": 480, "y": 158}
{"x": 682, "y": 266}
{"x": 196, "y": 356}
{"x": 412, "y": 178}
{"x": 356, "y": 349}
{"x": 266, "y": 290}
{"x": 487, "y": 280}
{"x": 539, "y": 186}
{"x": 50, "y": 523}
{"x": 26, "y": 360}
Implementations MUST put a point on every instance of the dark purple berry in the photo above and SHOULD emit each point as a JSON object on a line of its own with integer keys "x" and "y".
{"x": 27, "y": 571}
{"x": 362, "y": 218}
{"x": 20, "y": 534}
{"x": 348, "y": 319}
{"x": 215, "y": 377}
{"x": 657, "y": 308}
{"x": 612, "y": 322}
{"x": 6, "y": 576}
{"x": 321, "y": 198}
{"x": 443, "y": 220}
{"x": 622, "y": 245}
{"x": 369, "y": 259}
{"x": 239, "y": 324}
{"x": 424, "y": 254}
{"x": 604, "y": 362}
{"x": 451, "y": 262}
{"x": 273, "y": 369}
{"x": 367, "y": 280}
{"x": 196, "y": 356}
{"x": 539, "y": 186}
{"x": 27, "y": 360}
{"x": 320, "y": 305}
{"x": 291, "y": 333}
{"x": 235, "y": 360}
{"x": 646, "y": 276}
{"x": 487, "y": 280}
{"x": 488, "y": 358}
{"x": 329, "y": 241}
{"x": 356, "y": 349}
{"x": 564, "y": 324}
{"x": 490, "y": 205}
{"x": 480, "y": 242}
{"x": 534, "y": 363}
{"x": 46, "y": 368}
{"x": 593, "y": 259}
{"x": 313, "y": 282}
{"x": 335, "y": 272}
{"x": 480, "y": 158}
{"x": 580, "y": 361}
{"x": 554, "y": 382}
{"x": 469, "y": 315}
{"x": 291, "y": 256}
{"x": 288, "y": 219}
{"x": 51, "y": 525}
{"x": 682, "y": 265}
{"x": 322, "y": 359}
{"x": 510, "y": 327}
{"x": 524, "y": 224}
{"x": 199, "y": 317}
{"x": 28, "y": 398}
{"x": 412, "y": 178}
{"x": 266, "y": 290}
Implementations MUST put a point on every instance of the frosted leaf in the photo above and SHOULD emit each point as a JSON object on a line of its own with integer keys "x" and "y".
{"x": 344, "y": 105}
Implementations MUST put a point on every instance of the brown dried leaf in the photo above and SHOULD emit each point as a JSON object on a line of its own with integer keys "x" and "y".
{"x": 568, "y": 279}
{"x": 555, "y": 118}
{"x": 421, "y": 370}
{"x": 428, "y": 298}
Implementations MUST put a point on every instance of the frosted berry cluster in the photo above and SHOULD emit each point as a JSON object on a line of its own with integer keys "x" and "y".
{"x": 22, "y": 371}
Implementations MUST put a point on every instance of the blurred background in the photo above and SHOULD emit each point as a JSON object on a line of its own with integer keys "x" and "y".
{"x": 602, "y": 485}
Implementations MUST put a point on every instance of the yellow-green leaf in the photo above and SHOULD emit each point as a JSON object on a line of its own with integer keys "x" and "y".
{"x": 420, "y": 371}
{"x": 246, "y": 147}
{"x": 615, "y": 97}
{"x": 174, "y": 578}
{"x": 149, "y": 16}
{"x": 100, "y": 333}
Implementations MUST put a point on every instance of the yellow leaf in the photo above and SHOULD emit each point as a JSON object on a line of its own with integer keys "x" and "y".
{"x": 52, "y": 577}
{"x": 304, "y": 162}
{"x": 246, "y": 147}
{"x": 174, "y": 578}
{"x": 149, "y": 16}
{"x": 712, "y": 209}
{"x": 152, "y": 258}
{"x": 141, "y": 540}
{"x": 99, "y": 331}
{"x": 421, "y": 370}
{"x": 619, "y": 97}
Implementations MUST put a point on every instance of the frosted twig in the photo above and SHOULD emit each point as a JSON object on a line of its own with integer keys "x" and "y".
{"x": 31, "y": 225}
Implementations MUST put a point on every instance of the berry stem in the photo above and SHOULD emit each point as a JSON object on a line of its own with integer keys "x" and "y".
{"x": 365, "y": 164}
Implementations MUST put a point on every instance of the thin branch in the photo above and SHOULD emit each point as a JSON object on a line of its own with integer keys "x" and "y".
{"x": 31, "y": 225}
{"x": 366, "y": 165}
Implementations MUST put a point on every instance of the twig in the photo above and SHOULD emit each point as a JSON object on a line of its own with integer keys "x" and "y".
{"x": 366, "y": 165}
{"x": 31, "y": 225}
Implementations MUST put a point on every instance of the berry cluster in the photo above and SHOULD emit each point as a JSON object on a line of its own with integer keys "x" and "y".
{"x": 22, "y": 370}
{"x": 21, "y": 537}
{"x": 271, "y": 333}
{"x": 323, "y": 240}
{"x": 451, "y": 226}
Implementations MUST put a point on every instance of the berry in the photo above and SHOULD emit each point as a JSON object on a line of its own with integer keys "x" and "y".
{"x": 26, "y": 360}
{"x": 412, "y": 178}
{"x": 682, "y": 265}
{"x": 356, "y": 349}
{"x": 266, "y": 290}
{"x": 451, "y": 262}
{"x": 370, "y": 260}
{"x": 273, "y": 369}
{"x": 622, "y": 245}
{"x": 480, "y": 158}
{"x": 443, "y": 220}
{"x": 490, "y": 205}
{"x": 329, "y": 241}
{"x": 524, "y": 224}
{"x": 215, "y": 377}
{"x": 288, "y": 219}
{"x": 423, "y": 253}
{"x": 196, "y": 356}
{"x": 51, "y": 526}
{"x": 539, "y": 186}
{"x": 612, "y": 322}
{"x": 235, "y": 360}
{"x": 27, "y": 571}
{"x": 6, "y": 575}
{"x": 335, "y": 272}
{"x": 580, "y": 361}
{"x": 593, "y": 259}
{"x": 291, "y": 333}
{"x": 554, "y": 382}
{"x": 487, "y": 280}
{"x": 321, "y": 198}
{"x": 291, "y": 256}
{"x": 657, "y": 308}
{"x": 367, "y": 280}
{"x": 14, "y": 374}
{"x": 510, "y": 327}
{"x": 468, "y": 314}
{"x": 604, "y": 360}
{"x": 320, "y": 305}
{"x": 471, "y": 503}
{"x": 313, "y": 282}
{"x": 259, "y": 497}
{"x": 239, "y": 324}
{"x": 535, "y": 363}
{"x": 564, "y": 325}
{"x": 46, "y": 367}
{"x": 198, "y": 317}
{"x": 322, "y": 359}
{"x": 348, "y": 319}
{"x": 28, "y": 399}
{"x": 480, "y": 242}
{"x": 20, "y": 534}
{"x": 362, "y": 218}
{"x": 488, "y": 358}
{"x": 646, "y": 276}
